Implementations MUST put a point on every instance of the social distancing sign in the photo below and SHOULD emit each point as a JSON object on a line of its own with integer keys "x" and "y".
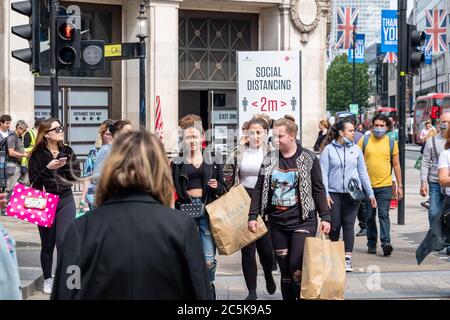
{"x": 269, "y": 83}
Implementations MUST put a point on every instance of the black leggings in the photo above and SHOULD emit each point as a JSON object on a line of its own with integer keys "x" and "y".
{"x": 343, "y": 215}
{"x": 50, "y": 237}
{"x": 288, "y": 246}
{"x": 266, "y": 258}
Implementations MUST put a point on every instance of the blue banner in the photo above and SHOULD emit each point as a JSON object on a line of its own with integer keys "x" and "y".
{"x": 428, "y": 55}
{"x": 389, "y": 31}
{"x": 359, "y": 49}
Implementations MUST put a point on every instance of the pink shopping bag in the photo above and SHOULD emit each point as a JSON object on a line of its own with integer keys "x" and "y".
{"x": 31, "y": 205}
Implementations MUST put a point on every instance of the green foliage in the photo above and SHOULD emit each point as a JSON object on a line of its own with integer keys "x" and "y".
{"x": 339, "y": 84}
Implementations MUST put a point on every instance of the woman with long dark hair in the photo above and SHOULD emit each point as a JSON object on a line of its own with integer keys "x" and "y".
{"x": 53, "y": 167}
{"x": 342, "y": 164}
{"x": 243, "y": 167}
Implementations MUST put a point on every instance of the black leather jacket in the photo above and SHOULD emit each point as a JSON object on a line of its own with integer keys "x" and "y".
{"x": 211, "y": 170}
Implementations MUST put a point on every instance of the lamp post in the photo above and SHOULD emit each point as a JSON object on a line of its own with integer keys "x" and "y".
{"x": 142, "y": 21}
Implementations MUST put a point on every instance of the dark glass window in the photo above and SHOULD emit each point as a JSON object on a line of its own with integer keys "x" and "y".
{"x": 96, "y": 24}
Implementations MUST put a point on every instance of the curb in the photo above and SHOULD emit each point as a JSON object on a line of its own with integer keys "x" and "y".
{"x": 33, "y": 282}
{"x": 27, "y": 244}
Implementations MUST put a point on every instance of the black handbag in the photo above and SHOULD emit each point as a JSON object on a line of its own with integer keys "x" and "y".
{"x": 193, "y": 209}
{"x": 355, "y": 191}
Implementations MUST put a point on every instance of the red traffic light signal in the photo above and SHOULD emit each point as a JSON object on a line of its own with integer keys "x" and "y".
{"x": 66, "y": 31}
{"x": 68, "y": 43}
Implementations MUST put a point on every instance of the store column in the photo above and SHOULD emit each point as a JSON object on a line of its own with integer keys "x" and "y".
{"x": 163, "y": 67}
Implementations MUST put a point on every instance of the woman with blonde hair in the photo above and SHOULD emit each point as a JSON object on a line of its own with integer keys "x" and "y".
{"x": 133, "y": 246}
{"x": 290, "y": 192}
{"x": 198, "y": 180}
{"x": 104, "y": 137}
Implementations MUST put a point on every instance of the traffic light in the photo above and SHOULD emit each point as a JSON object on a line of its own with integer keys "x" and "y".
{"x": 30, "y": 32}
{"x": 415, "y": 57}
{"x": 68, "y": 42}
{"x": 92, "y": 55}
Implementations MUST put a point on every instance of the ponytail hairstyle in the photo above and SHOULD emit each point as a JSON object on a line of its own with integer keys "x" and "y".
{"x": 333, "y": 133}
{"x": 288, "y": 122}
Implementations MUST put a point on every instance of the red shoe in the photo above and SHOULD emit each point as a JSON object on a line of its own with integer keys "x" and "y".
{"x": 394, "y": 203}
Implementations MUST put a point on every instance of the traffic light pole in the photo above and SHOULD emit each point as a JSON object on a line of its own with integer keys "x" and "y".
{"x": 53, "y": 70}
{"x": 401, "y": 91}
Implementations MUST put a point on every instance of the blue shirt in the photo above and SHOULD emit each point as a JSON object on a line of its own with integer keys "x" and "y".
{"x": 340, "y": 164}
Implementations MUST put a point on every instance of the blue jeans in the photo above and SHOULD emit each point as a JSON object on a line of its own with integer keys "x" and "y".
{"x": 383, "y": 196}
{"x": 209, "y": 247}
{"x": 436, "y": 202}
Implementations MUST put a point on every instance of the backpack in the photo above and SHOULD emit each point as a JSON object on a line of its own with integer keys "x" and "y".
{"x": 391, "y": 145}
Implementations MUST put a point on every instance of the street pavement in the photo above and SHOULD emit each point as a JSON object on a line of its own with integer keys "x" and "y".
{"x": 374, "y": 277}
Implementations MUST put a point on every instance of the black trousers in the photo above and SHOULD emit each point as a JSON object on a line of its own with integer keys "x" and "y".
{"x": 54, "y": 236}
{"x": 265, "y": 251}
{"x": 343, "y": 216}
{"x": 288, "y": 246}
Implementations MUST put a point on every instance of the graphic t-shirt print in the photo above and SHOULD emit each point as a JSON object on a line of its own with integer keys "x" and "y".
{"x": 284, "y": 186}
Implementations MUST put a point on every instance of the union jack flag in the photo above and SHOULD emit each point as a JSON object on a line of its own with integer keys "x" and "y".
{"x": 346, "y": 19}
{"x": 435, "y": 30}
{"x": 391, "y": 57}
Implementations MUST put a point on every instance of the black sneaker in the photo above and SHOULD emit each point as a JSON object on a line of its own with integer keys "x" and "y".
{"x": 387, "y": 249}
{"x": 372, "y": 250}
{"x": 362, "y": 232}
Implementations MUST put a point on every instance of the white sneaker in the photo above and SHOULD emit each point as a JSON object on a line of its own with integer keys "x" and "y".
{"x": 48, "y": 285}
{"x": 348, "y": 264}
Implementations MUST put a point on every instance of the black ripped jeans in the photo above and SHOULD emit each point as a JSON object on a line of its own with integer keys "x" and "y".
{"x": 288, "y": 246}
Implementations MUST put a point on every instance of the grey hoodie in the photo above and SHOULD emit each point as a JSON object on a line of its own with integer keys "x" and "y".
{"x": 334, "y": 177}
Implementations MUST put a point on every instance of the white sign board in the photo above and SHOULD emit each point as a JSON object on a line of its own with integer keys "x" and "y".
{"x": 269, "y": 83}
{"x": 91, "y": 116}
{"x": 225, "y": 117}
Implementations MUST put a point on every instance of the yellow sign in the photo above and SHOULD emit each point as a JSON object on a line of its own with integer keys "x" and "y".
{"x": 402, "y": 73}
{"x": 113, "y": 50}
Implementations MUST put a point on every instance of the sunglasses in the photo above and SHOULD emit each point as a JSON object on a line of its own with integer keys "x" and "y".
{"x": 59, "y": 129}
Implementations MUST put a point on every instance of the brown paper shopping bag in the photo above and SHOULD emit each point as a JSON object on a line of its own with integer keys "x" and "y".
{"x": 228, "y": 218}
{"x": 323, "y": 275}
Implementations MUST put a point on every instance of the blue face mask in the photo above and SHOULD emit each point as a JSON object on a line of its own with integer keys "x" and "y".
{"x": 379, "y": 132}
{"x": 347, "y": 142}
{"x": 443, "y": 126}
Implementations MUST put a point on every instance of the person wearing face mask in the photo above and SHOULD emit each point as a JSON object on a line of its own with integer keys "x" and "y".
{"x": 381, "y": 155}
{"x": 429, "y": 179}
{"x": 341, "y": 162}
